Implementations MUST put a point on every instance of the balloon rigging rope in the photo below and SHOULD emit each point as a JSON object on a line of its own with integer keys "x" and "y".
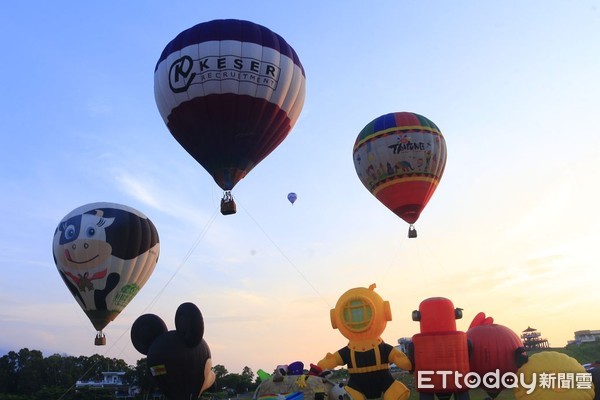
{"x": 155, "y": 299}
{"x": 185, "y": 258}
{"x": 286, "y": 257}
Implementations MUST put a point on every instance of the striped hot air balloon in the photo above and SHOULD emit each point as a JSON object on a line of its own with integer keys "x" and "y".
{"x": 400, "y": 158}
{"x": 229, "y": 91}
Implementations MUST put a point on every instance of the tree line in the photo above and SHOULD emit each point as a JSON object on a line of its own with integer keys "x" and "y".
{"x": 27, "y": 374}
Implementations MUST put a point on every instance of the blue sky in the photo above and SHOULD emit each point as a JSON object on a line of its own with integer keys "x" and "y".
{"x": 512, "y": 229}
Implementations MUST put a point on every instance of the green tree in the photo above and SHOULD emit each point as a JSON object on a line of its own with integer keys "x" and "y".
{"x": 27, "y": 375}
{"x": 240, "y": 383}
{"x": 247, "y": 379}
{"x": 7, "y": 372}
{"x": 220, "y": 371}
{"x": 59, "y": 371}
{"x": 143, "y": 378}
{"x": 30, "y": 371}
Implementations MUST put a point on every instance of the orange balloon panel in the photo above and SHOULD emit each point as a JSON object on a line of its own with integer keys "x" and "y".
{"x": 400, "y": 158}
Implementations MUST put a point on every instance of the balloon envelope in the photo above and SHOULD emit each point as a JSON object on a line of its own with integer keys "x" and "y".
{"x": 494, "y": 347}
{"x": 105, "y": 253}
{"x": 400, "y": 158}
{"x": 229, "y": 91}
{"x": 555, "y": 367}
{"x": 180, "y": 360}
{"x": 292, "y": 197}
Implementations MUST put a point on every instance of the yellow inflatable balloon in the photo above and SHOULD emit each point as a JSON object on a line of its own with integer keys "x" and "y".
{"x": 551, "y": 375}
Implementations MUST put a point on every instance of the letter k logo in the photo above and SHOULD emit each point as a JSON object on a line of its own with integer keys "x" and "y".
{"x": 181, "y": 75}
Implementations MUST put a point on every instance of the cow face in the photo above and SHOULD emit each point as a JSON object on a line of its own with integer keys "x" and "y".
{"x": 82, "y": 243}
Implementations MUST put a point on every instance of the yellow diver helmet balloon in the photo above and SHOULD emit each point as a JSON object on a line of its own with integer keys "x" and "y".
{"x": 361, "y": 314}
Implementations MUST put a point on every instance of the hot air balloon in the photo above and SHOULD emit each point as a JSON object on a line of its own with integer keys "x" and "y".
{"x": 229, "y": 91}
{"x": 105, "y": 253}
{"x": 292, "y": 197}
{"x": 400, "y": 158}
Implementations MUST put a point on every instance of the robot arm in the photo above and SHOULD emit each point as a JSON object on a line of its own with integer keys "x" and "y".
{"x": 411, "y": 356}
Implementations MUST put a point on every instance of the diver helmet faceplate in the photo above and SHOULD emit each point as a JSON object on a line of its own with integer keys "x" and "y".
{"x": 360, "y": 313}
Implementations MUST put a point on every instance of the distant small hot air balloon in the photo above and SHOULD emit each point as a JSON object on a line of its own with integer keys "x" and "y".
{"x": 105, "y": 253}
{"x": 292, "y": 197}
{"x": 229, "y": 91}
{"x": 400, "y": 158}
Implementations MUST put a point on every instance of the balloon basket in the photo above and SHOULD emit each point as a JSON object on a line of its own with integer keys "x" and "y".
{"x": 100, "y": 339}
{"x": 227, "y": 204}
{"x": 412, "y": 232}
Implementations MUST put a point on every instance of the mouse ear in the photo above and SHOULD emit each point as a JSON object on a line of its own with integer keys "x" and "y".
{"x": 145, "y": 330}
{"x": 189, "y": 324}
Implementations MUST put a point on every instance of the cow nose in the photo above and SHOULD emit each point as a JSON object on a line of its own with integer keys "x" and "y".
{"x": 86, "y": 245}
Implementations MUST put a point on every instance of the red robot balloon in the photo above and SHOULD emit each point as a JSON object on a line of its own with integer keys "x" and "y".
{"x": 439, "y": 353}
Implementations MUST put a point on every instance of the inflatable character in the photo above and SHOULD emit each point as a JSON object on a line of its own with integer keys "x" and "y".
{"x": 292, "y": 382}
{"x": 361, "y": 316}
{"x": 440, "y": 353}
{"x": 496, "y": 350}
{"x": 551, "y": 375}
{"x": 180, "y": 360}
{"x": 337, "y": 391}
{"x": 595, "y": 372}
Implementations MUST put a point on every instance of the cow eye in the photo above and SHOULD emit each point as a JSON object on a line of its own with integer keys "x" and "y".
{"x": 70, "y": 232}
{"x": 90, "y": 231}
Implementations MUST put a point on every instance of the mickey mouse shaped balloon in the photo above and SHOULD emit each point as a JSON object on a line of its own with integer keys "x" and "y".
{"x": 179, "y": 360}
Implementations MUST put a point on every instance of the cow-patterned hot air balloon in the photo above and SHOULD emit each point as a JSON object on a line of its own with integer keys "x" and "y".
{"x": 400, "y": 158}
{"x": 105, "y": 253}
{"x": 229, "y": 91}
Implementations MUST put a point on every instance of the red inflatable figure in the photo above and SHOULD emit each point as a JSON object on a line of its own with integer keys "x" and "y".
{"x": 440, "y": 353}
{"x": 497, "y": 350}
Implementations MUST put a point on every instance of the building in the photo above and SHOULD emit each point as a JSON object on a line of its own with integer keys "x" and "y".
{"x": 532, "y": 339}
{"x": 403, "y": 344}
{"x": 585, "y": 336}
{"x": 112, "y": 380}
